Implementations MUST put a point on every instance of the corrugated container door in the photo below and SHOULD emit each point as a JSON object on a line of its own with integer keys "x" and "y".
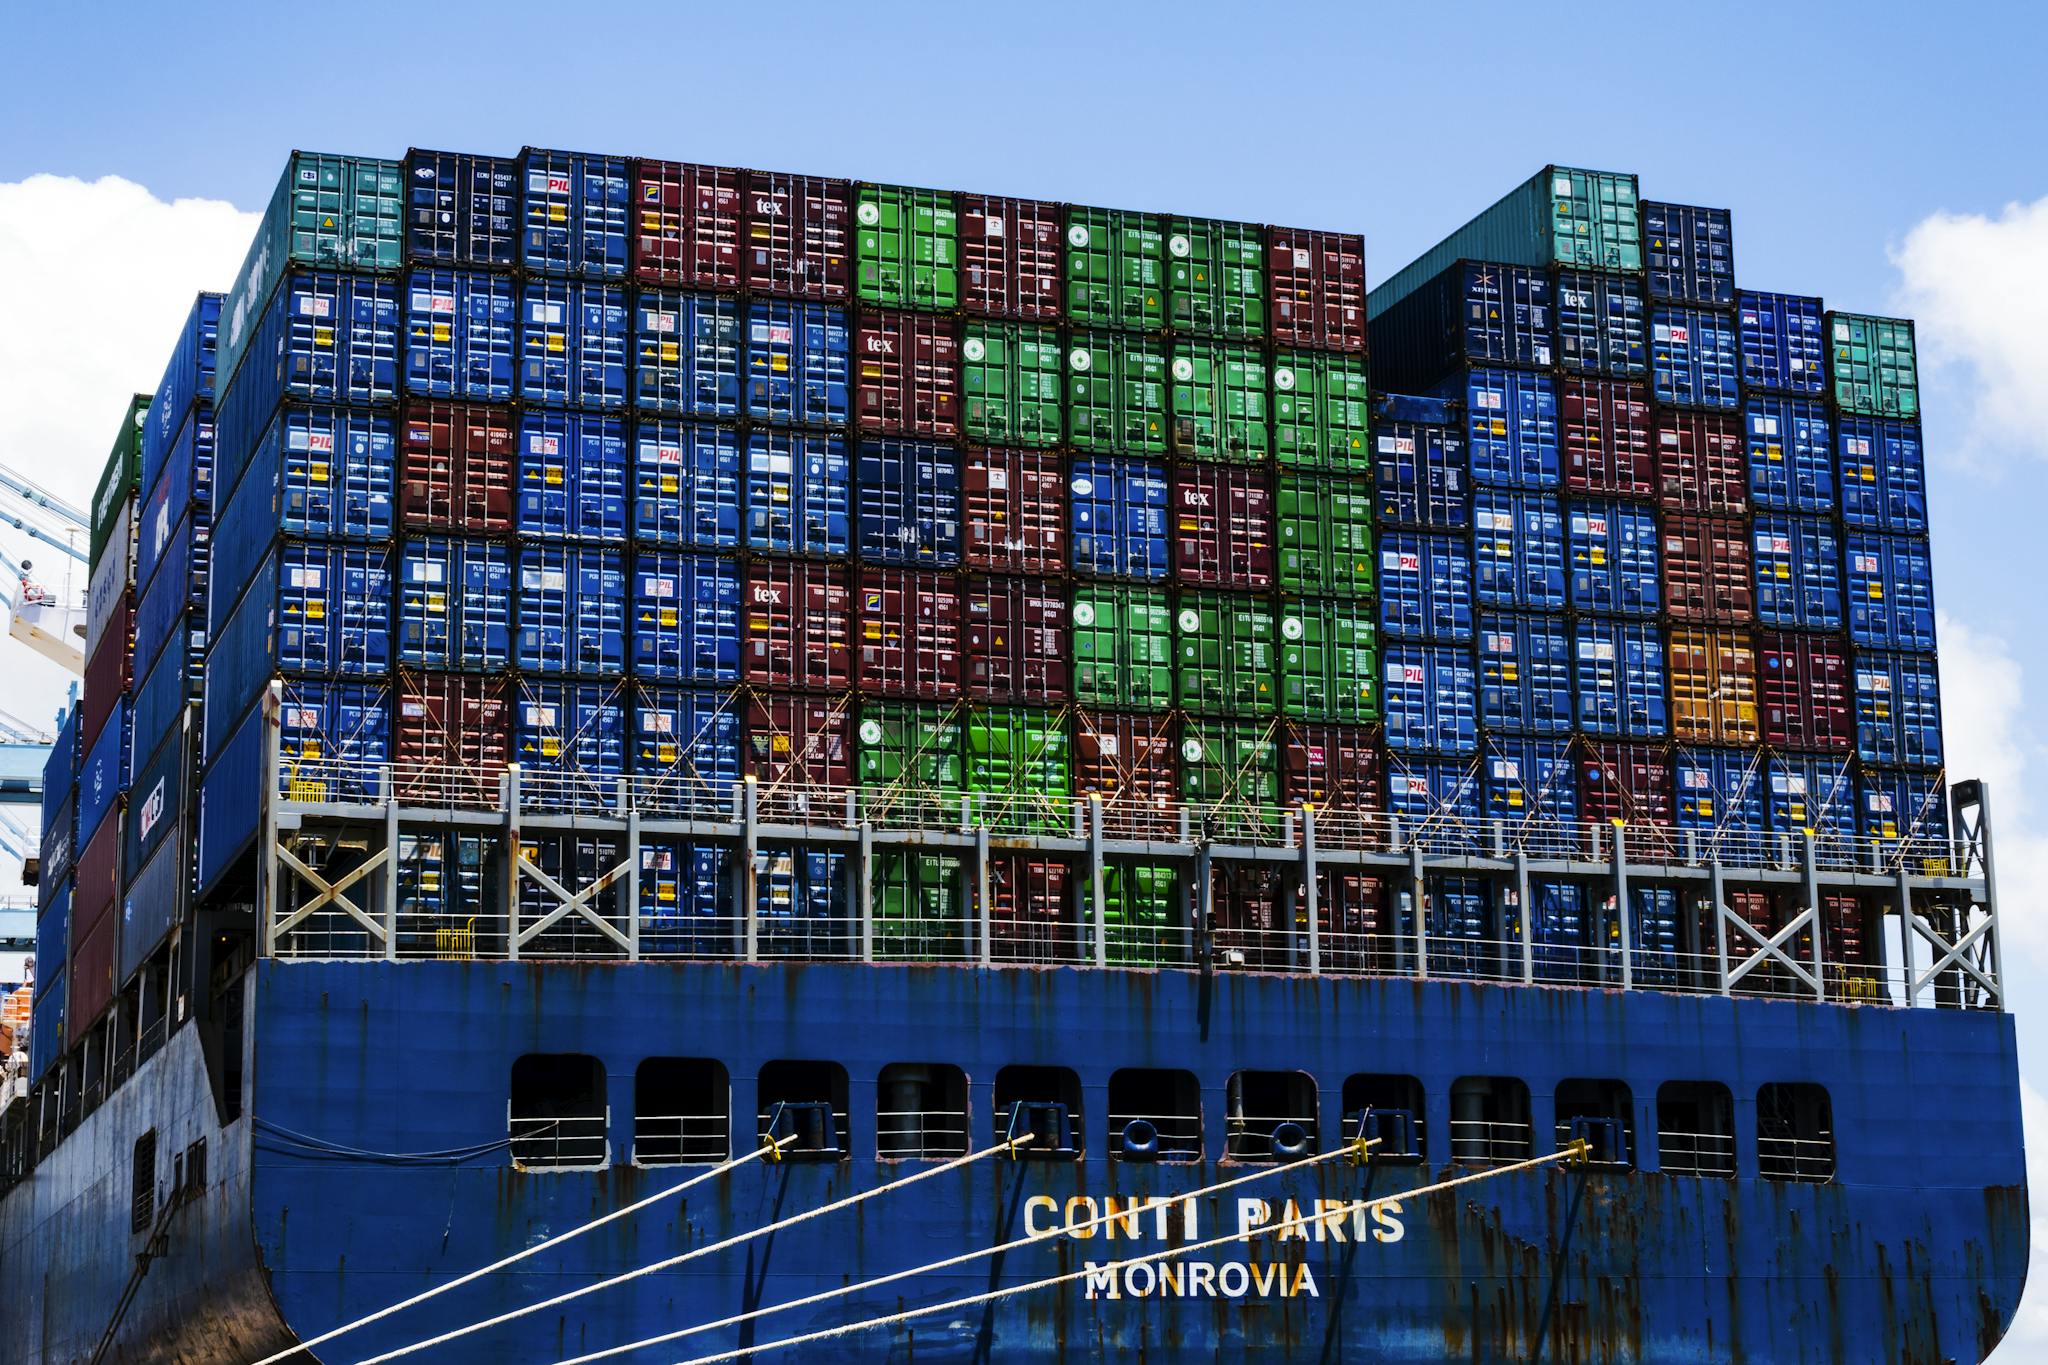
{"x": 686, "y": 485}
{"x": 1518, "y": 550}
{"x": 906, "y": 249}
{"x": 1218, "y": 403}
{"x": 798, "y": 362}
{"x": 1595, "y": 219}
{"x": 573, "y": 340}
{"x": 797, "y": 235}
{"x": 1784, "y": 345}
{"x": 1421, "y": 475}
{"x": 572, "y": 476}
{"x": 797, "y": 744}
{"x": 1525, "y": 675}
{"x": 456, "y": 469}
{"x": 1431, "y": 700}
{"x": 1318, "y": 284}
{"x": 1326, "y": 539}
{"x": 1335, "y": 768}
{"x": 686, "y": 612}
{"x": 687, "y": 353}
{"x": 1116, "y": 269}
{"x": 1512, "y": 428}
{"x": 1028, "y": 914}
{"x": 1435, "y": 798}
{"x": 451, "y": 740}
{"x": 1791, "y": 458}
{"x": 1225, "y": 652}
{"x": 1614, "y": 561}
{"x": 687, "y": 224}
{"x": 1690, "y": 254}
{"x": 455, "y": 604}
{"x": 1215, "y": 277}
{"x": 907, "y": 377}
{"x": 570, "y": 743}
{"x": 908, "y": 628}
{"x": 1721, "y": 801}
{"x": 1010, "y": 257}
{"x": 1893, "y": 807}
{"x": 1329, "y": 661}
{"x": 1132, "y": 762}
{"x": 798, "y": 625}
{"x": 1890, "y": 587}
{"x": 1531, "y": 787}
{"x": 575, "y": 211}
{"x": 1223, "y": 526}
{"x": 1015, "y": 515}
{"x": 1609, "y": 445}
{"x": 686, "y": 747}
{"x": 1713, "y": 687}
{"x": 1425, "y": 586}
{"x": 1693, "y": 358}
{"x": 1123, "y": 645}
{"x": 1619, "y": 676}
{"x": 1809, "y": 796}
{"x": 1475, "y": 312}
{"x": 1016, "y": 640}
{"x": 1012, "y": 384}
{"x": 461, "y": 335}
{"x": 1707, "y": 572}
{"x": 1017, "y": 768}
{"x": 1803, "y": 692}
{"x": 1321, "y": 410}
{"x": 333, "y": 737}
{"x": 1884, "y": 479}
{"x": 1873, "y": 363}
{"x": 1119, "y": 511}
{"x": 1898, "y": 709}
{"x": 1798, "y": 573}
{"x": 1630, "y": 783}
{"x": 1232, "y": 764}
{"x": 798, "y": 493}
{"x": 907, "y": 496}
{"x": 909, "y": 757}
{"x": 461, "y": 209}
{"x": 572, "y": 610}
{"x": 1116, "y": 394}
{"x": 1600, "y": 325}
{"x": 1700, "y": 464}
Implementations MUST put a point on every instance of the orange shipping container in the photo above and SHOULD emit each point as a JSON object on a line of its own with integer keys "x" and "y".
{"x": 1713, "y": 687}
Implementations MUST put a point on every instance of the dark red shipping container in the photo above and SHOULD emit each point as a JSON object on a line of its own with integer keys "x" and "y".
{"x": 1609, "y": 443}
{"x": 1017, "y": 647}
{"x": 1355, "y": 928}
{"x": 451, "y": 743}
{"x": 1705, "y": 562}
{"x": 1016, "y": 510}
{"x": 1010, "y": 257}
{"x": 91, "y": 979}
{"x": 796, "y": 235}
{"x": 1335, "y": 768}
{"x": 1028, "y": 919}
{"x": 1752, "y": 907}
{"x": 457, "y": 467}
{"x": 1318, "y": 284}
{"x": 96, "y": 895}
{"x": 1849, "y": 952}
{"x": 1131, "y": 762}
{"x": 1802, "y": 693}
{"x": 909, "y": 634}
{"x": 907, "y": 375}
{"x": 687, "y": 224}
{"x": 1700, "y": 463}
{"x": 1632, "y": 783}
{"x": 799, "y": 625}
{"x": 1249, "y": 908}
{"x": 109, "y": 671}
{"x": 794, "y": 744}
{"x": 1223, "y": 525}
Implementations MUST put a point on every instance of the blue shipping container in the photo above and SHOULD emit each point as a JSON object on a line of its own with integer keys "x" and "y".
{"x": 1804, "y": 793}
{"x": 1791, "y": 458}
{"x": 455, "y": 604}
{"x": 104, "y": 775}
{"x": 333, "y": 737}
{"x": 162, "y": 515}
{"x": 686, "y": 746}
{"x": 188, "y": 470}
{"x": 1531, "y": 786}
{"x": 1430, "y": 700}
{"x": 187, "y": 385}
{"x": 61, "y": 767}
{"x": 1511, "y": 427}
{"x": 1561, "y": 931}
{"x": 1614, "y": 558}
{"x": 461, "y": 334}
{"x": 46, "y": 1028}
{"x": 1619, "y": 667}
{"x": 1721, "y": 801}
{"x": 1600, "y": 326}
{"x": 1421, "y": 475}
{"x": 688, "y": 351}
{"x": 59, "y": 841}
{"x": 686, "y": 898}
{"x": 1119, "y": 512}
{"x": 1460, "y": 911}
{"x": 176, "y": 597}
{"x": 1518, "y": 550}
{"x": 1525, "y": 675}
{"x": 1425, "y": 586}
{"x": 907, "y": 496}
{"x": 1784, "y": 346}
{"x": 152, "y": 903}
{"x": 1884, "y": 476}
{"x": 686, "y": 618}
{"x": 1693, "y": 358}
{"x": 1474, "y": 313}
{"x": 227, "y": 812}
{"x": 799, "y": 494}
{"x": 572, "y": 475}
{"x": 156, "y": 802}
{"x": 798, "y": 359}
{"x": 572, "y": 344}
{"x": 326, "y": 338}
{"x": 169, "y": 688}
{"x": 686, "y": 484}
{"x": 1898, "y": 710}
{"x": 570, "y": 742}
{"x": 572, "y": 610}
{"x": 1653, "y": 917}
{"x": 1890, "y": 806}
{"x": 1798, "y": 565}
{"x": 575, "y": 218}
{"x": 53, "y": 936}
{"x": 1890, "y": 586}
{"x": 461, "y": 209}
{"x": 803, "y": 904}
{"x": 1690, "y": 254}
{"x": 1433, "y": 792}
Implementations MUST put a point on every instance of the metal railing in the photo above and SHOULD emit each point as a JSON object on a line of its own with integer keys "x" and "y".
{"x": 558, "y": 1142}
{"x": 1246, "y": 1138}
{"x": 681, "y": 1139}
{"x": 1482, "y": 1142}
{"x": 920, "y": 1134}
{"x": 1177, "y": 1137}
{"x": 1808, "y": 1160}
{"x": 1704, "y": 1154}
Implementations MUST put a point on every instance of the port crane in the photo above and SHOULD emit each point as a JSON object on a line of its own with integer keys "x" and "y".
{"x": 49, "y": 620}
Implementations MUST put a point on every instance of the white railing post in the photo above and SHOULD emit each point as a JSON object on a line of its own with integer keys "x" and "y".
{"x": 1310, "y": 890}
{"x": 1098, "y": 929}
{"x": 513, "y": 875}
{"x": 750, "y": 844}
{"x": 1527, "y": 912}
{"x": 1622, "y": 910}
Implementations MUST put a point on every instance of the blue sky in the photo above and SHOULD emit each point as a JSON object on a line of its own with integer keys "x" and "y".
{"x": 1869, "y": 152}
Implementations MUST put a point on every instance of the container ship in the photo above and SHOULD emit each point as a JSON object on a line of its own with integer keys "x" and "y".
{"x": 682, "y": 763}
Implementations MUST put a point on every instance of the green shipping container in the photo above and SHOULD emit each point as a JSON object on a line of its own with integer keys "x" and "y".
{"x": 1010, "y": 374}
{"x": 1116, "y": 387}
{"x": 1140, "y": 916}
{"x": 1116, "y": 269}
{"x": 906, "y": 247}
{"x": 1560, "y": 217}
{"x": 1216, "y": 277}
{"x": 908, "y": 759}
{"x": 1230, "y": 763}
{"x": 335, "y": 212}
{"x": 1226, "y": 653}
{"x": 1218, "y": 400}
{"x": 920, "y": 903}
{"x": 117, "y": 480}
{"x": 1329, "y": 660}
{"x": 1321, "y": 408}
{"x": 1873, "y": 365}
{"x": 1123, "y": 645}
{"x": 1325, "y": 529}
{"x": 1018, "y": 769}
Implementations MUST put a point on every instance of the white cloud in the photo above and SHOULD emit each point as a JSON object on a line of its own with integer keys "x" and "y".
{"x": 97, "y": 277}
{"x": 1978, "y": 287}
{"x": 1984, "y": 711}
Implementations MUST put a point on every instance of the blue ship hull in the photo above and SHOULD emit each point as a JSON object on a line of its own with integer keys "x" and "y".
{"x": 1916, "y": 1250}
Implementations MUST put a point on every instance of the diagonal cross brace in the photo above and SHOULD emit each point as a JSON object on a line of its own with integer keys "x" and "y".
{"x": 1954, "y": 955}
{"x": 330, "y": 893}
{"x": 578, "y": 903}
{"x": 1772, "y": 948}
